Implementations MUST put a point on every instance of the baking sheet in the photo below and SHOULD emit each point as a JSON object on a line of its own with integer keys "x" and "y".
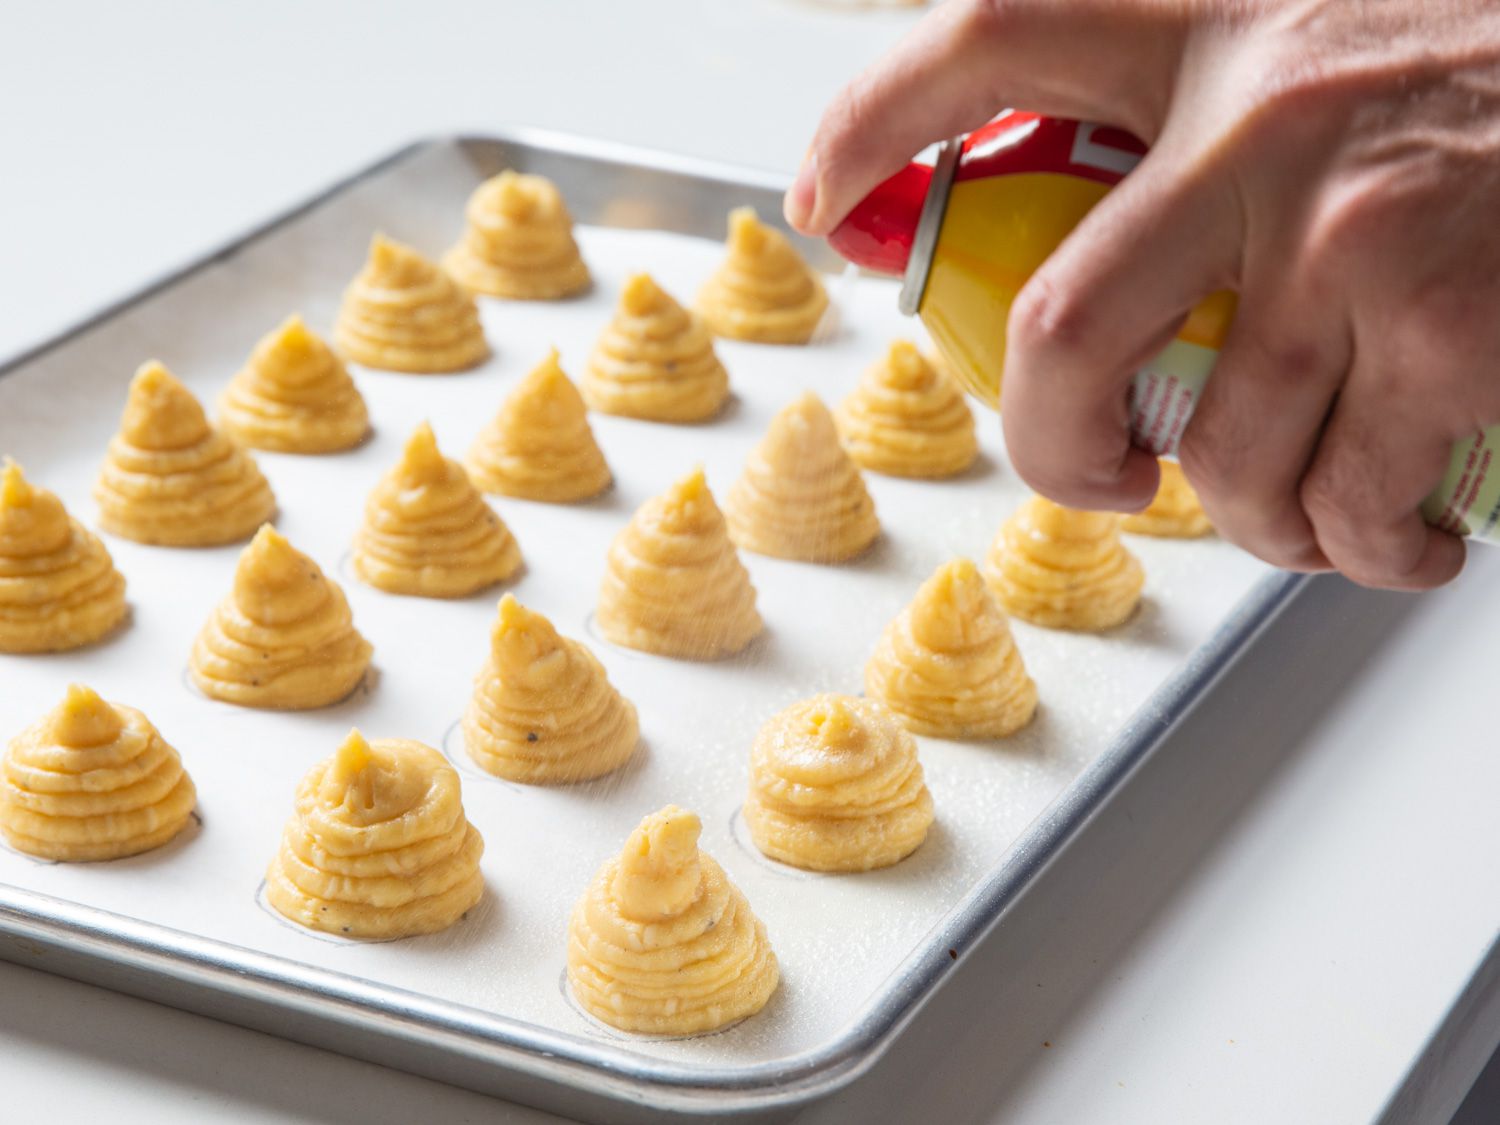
{"x": 842, "y": 940}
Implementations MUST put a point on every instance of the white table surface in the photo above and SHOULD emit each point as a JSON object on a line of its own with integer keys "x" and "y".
{"x": 1268, "y": 925}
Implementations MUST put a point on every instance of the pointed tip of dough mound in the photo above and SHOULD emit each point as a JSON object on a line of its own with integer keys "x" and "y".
{"x": 15, "y": 490}
{"x": 84, "y": 719}
{"x": 747, "y": 234}
{"x": 420, "y": 457}
{"x": 642, "y": 296}
{"x": 352, "y": 756}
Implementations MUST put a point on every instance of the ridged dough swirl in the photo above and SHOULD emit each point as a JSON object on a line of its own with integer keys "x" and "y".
{"x": 763, "y": 292}
{"x": 91, "y": 781}
{"x": 378, "y": 845}
{"x": 673, "y": 584}
{"x": 404, "y": 313}
{"x": 662, "y": 943}
{"x": 835, "y": 785}
{"x": 655, "y": 360}
{"x": 543, "y": 710}
{"x": 171, "y": 479}
{"x": 59, "y": 588}
{"x": 540, "y": 445}
{"x": 1063, "y": 569}
{"x": 428, "y": 531}
{"x": 800, "y": 495}
{"x": 519, "y": 242}
{"x": 947, "y": 665}
{"x": 293, "y": 395}
{"x": 283, "y": 639}
{"x": 907, "y": 419}
{"x": 1174, "y": 513}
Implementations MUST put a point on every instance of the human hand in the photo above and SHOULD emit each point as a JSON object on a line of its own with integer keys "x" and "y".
{"x": 1338, "y": 165}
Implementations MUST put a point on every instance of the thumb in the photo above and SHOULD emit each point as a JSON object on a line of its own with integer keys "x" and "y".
{"x": 1111, "y": 61}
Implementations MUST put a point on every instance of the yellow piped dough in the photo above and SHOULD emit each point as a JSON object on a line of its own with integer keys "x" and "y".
{"x": 800, "y": 495}
{"x": 540, "y": 446}
{"x": 90, "y": 781}
{"x": 59, "y": 588}
{"x": 519, "y": 242}
{"x": 294, "y": 395}
{"x": 404, "y": 313}
{"x": 283, "y": 639}
{"x": 763, "y": 291}
{"x": 673, "y": 584}
{"x": 835, "y": 785}
{"x": 662, "y": 943}
{"x": 947, "y": 665}
{"x": 378, "y": 845}
{"x": 655, "y": 360}
{"x": 1063, "y": 569}
{"x": 171, "y": 479}
{"x": 908, "y": 419}
{"x": 428, "y": 531}
{"x": 1175, "y": 512}
{"x": 543, "y": 709}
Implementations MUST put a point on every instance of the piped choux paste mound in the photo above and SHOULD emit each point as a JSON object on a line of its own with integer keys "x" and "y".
{"x": 543, "y": 710}
{"x": 59, "y": 588}
{"x": 540, "y": 445}
{"x": 1063, "y": 569}
{"x": 655, "y": 360}
{"x": 800, "y": 495}
{"x": 1174, "y": 513}
{"x": 763, "y": 292}
{"x": 835, "y": 785}
{"x": 908, "y": 419}
{"x": 428, "y": 531}
{"x": 283, "y": 639}
{"x": 91, "y": 781}
{"x": 947, "y": 665}
{"x": 404, "y": 313}
{"x": 294, "y": 396}
{"x": 171, "y": 479}
{"x": 662, "y": 943}
{"x": 378, "y": 845}
{"x": 519, "y": 242}
{"x": 673, "y": 584}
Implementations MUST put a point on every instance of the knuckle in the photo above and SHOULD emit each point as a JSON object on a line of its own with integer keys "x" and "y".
{"x": 1051, "y": 319}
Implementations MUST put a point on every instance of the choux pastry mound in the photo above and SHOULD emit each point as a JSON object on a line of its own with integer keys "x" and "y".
{"x": 378, "y": 845}
{"x": 908, "y": 419}
{"x": 59, "y": 588}
{"x": 540, "y": 446}
{"x": 171, "y": 479}
{"x": 543, "y": 709}
{"x": 428, "y": 531}
{"x": 519, "y": 242}
{"x": 293, "y": 396}
{"x": 283, "y": 639}
{"x": 403, "y": 313}
{"x": 764, "y": 291}
{"x": 662, "y": 943}
{"x": 947, "y": 665}
{"x": 655, "y": 360}
{"x": 92, "y": 780}
{"x": 673, "y": 584}
{"x": 1174, "y": 513}
{"x": 1063, "y": 569}
{"x": 800, "y": 496}
{"x": 835, "y": 785}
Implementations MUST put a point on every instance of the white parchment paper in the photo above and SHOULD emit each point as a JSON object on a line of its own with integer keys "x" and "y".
{"x": 839, "y": 938}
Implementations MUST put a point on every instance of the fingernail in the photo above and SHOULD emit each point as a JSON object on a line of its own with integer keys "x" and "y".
{"x": 802, "y": 196}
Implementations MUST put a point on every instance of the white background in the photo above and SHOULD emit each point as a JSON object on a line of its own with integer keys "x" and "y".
{"x": 1267, "y": 926}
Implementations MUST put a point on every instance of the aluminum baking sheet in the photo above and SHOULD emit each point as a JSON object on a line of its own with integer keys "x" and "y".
{"x": 483, "y": 1004}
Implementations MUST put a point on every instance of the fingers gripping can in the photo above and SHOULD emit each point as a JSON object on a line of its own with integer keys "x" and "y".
{"x": 967, "y": 231}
